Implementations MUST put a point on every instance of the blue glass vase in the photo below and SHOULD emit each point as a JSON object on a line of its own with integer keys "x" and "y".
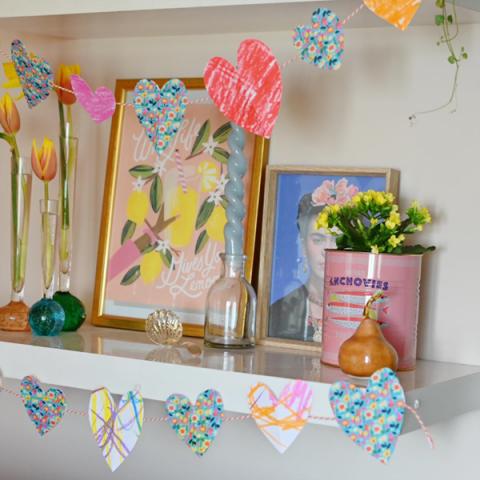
{"x": 46, "y": 317}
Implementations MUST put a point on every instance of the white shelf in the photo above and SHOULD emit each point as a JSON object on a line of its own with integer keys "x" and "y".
{"x": 120, "y": 360}
{"x": 75, "y": 19}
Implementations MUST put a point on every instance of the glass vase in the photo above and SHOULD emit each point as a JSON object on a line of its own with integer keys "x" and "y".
{"x": 73, "y": 307}
{"x": 231, "y": 307}
{"x": 47, "y": 317}
{"x": 14, "y": 315}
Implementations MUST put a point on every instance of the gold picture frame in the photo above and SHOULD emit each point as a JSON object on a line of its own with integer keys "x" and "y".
{"x": 259, "y": 147}
{"x": 268, "y": 290}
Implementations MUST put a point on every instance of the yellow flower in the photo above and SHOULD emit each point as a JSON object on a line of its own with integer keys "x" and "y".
{"x": 379, "y": 198}
{"x": 322, "y": 220}
{"x": 209, "y": 172}
{"x": 396, "y": 241}
{"x": 390, "y": 198}
{"x": 63, "y": 80}
{"x": 426, "y": 215}
{"x": 12, "y": 78}
{"x": 375, "y": 249}
{"x": 357, "y": 198}
{"x": 44, "y": 160}
{"x": 373, "y": 221}
{"x": 393, "y": 220}
{"x": 9, "y": 116}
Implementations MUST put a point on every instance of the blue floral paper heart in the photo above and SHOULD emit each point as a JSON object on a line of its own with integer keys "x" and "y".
{"x": 197, "y": 425}
{"x": 35, "y": 74}
{"x": 160, "y": 110}
{"x": 372, "y": 418}
{"x": 45, "y": 409}
{"x": 322, "y": 44}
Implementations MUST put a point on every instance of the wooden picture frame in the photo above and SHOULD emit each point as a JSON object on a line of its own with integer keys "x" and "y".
{"x": 279, "y": 245}
{"x": 131, "y": 310}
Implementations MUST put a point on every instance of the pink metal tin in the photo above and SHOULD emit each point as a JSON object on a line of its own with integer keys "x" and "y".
{"x": 350, "y": 279}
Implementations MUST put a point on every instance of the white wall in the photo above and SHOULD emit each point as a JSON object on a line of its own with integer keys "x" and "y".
{"x": 357, "y": 116}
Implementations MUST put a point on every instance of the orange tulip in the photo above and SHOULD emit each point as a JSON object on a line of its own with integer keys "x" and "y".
{"x": 44, "y": 161}
{"x": 9, "y": 117}
{"x": 63, "y": 80}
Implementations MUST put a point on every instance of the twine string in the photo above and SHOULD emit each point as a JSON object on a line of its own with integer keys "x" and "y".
{"x": 424, "y": 428}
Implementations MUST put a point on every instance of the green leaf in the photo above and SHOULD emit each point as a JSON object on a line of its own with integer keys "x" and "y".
{"x": 439, "y": 19}
{"x": 131, "y": 276}
{"x": 440, "y": 3}
{"x": 220, "y": 155}
{"x": 141, "y": 171}
{"x": 451, "y": 59}
{"x": 450, "y": 19}
{"x": 166, "y": 258}
{"x": 202, "y": 137}
{"x": 127, "y": 231}
{"x": 148, "y": 249}
{"x": 416, "y": 249}
{"x": 222, "y": 133}
{"x": 204, "y": 213}
{"x": 465, "y": 55}
{"x": 201, "y": 241}
{"x": 224, "y": 202}
{"x": 156, "y": 194}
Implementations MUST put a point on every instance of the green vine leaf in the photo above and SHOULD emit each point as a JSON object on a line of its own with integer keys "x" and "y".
{"x": 204, "y": 213}
{"x": 127, "y": 231}
{"x": 222, "y": 133}
{"x": 141, "y": 171}
{"x": 201, "y": 241}
{"x": 156, "y": 194}
{"x": 439, "y": 19}
{"x": 166, "y": 258}
{"x": 131, "y": 276}
{"x": 202, "y": 137}
{"x": 220, "y": 155}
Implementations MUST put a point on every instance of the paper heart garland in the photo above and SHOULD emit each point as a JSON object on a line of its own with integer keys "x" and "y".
{"x": 100, "y": 105}
{"x": 160, "y": 110}
{"x": 35, "y": 74}
{"x": 281, "y": 419}
{"x": 249, "y": 95}
{"x": 116, "y": 429}
{"x": 44, "y": 408}
{"x": 197, "y": 425}
{"x": 321, "y": 44}
{"x": 398, "y": 13}
{"x": 372, "y": 418}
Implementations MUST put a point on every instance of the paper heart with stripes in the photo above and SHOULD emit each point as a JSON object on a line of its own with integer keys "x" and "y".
{"x": 44, "y": 408}
{"x": 160, "y": 110}
{"x": 398, "y": 13}
{"x": 281, "y": 419}
{"x": 116, "y": 428}
{"x": 35, "y": 74}
{"x": 250, "y": 94}
{"x": 371, "y": 417}
{"x": 197, "y": 425}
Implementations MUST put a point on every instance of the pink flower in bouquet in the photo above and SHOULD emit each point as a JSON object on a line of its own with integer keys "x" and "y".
{"x": 333, "y": 193}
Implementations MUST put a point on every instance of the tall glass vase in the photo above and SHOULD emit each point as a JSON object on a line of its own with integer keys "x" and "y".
{"x": 14, "y": 315}
{"x": 74, "y": 310}
{"x": 47, "y": 317}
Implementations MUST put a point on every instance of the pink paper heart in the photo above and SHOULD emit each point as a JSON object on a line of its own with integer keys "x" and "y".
{"x": 281, "y": 419}
{"x": 100, "y": 105}
{"x": 249, "y": 95}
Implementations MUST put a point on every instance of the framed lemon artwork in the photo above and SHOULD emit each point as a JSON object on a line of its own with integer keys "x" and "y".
{"x": 164, "y": 214}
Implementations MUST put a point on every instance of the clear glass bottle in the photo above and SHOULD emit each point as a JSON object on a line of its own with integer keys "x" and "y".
{"x": 231, "y": 307}
{"x": 46, "y": 316}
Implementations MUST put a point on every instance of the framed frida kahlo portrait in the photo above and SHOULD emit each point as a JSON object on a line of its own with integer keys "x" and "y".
{"x": 164, "y": 215}
{"x": 293, "y": 250}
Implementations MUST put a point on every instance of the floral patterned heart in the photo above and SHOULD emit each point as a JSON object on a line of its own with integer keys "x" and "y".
{"x": 323, "y": 43}
{"x": 398, "y": 13}
{"x": 249, "y": 95}
{"x": 372, "y": 418}
{"x": 197, "y": 425}
{"x": 160, "y": 110}
{"x": 45, "y": 409}
{"x": 35, "y": 74}
{"x": 281, "y": 419}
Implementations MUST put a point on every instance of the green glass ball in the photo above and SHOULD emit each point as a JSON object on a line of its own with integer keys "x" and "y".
{"x": 75, "y": 313}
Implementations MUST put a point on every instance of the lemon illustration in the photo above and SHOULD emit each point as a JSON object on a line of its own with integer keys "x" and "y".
{"x": 151, "y": 267}
{"x": 209, "y": 172}
{"x": 185, "y": 206}
{"x": 216, "y": 223}
{"x": 137, "y": 207}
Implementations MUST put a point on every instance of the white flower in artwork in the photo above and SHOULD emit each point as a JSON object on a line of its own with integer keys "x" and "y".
{"x": 215, "y": 197}
{"x": 159, "y": 167}
{"x": 210, "y": 145}
{"x": 221, "y": 183}
{"x": 162, "y": 246}
{"x": 138, "y": 184}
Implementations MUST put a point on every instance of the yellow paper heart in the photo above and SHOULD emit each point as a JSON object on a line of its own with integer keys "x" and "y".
{"x": 398, "y": 13}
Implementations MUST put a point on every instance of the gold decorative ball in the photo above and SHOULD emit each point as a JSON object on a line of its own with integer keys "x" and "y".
{"x": 164, "y": 327}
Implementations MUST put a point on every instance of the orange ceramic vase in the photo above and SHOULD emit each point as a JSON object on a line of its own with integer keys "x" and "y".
{"x": 367, "y": 350}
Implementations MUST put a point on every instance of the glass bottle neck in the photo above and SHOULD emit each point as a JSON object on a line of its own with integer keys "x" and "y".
{"x": 233, "y": 265}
